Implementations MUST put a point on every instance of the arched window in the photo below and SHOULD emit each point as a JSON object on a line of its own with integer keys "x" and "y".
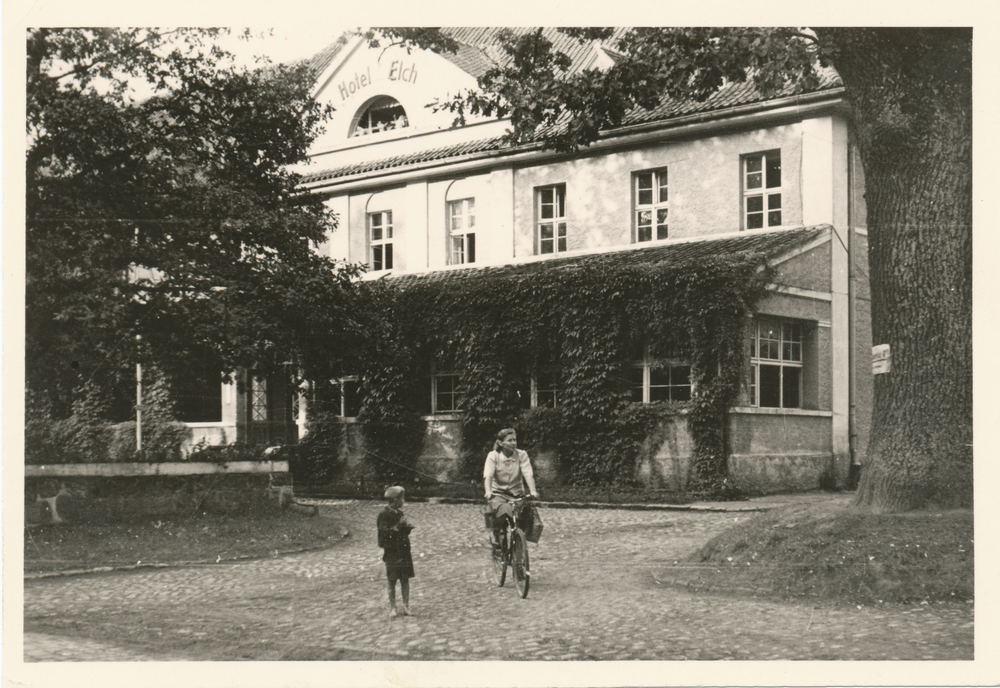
{"x": 382, "y": 114}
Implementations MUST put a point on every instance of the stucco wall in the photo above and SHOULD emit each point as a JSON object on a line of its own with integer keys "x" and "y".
{"x": 770, "y": 453}
{"x": 440, "y": 457}
{"x": 439, "y": 460}
{"x": 808, "y": 270}
{"x": 782, "y": 473}
{"x": 704, "y": 187}
{"x": 665, "y": 463}
{"x": 414, "y": 78}
{"x": 776, "y": 451}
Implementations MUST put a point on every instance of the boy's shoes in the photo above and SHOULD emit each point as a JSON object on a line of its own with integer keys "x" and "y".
{"x": 393, "y": 613}
{"x": 406, "y": 611}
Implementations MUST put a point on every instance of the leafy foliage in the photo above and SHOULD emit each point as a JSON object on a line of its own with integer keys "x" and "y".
{"x": 174, "y": 218}
{"x": 392, "y": 431}
{"x": 586, "y": 321}
{"x": 88, "y": 435}
{"x": 316, "y": 458}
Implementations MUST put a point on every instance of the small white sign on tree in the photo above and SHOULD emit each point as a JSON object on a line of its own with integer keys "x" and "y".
{"x": 881, "y": 359}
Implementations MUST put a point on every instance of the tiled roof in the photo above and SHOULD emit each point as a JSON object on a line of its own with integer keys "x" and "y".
{"x": 487, "y": 40}
{"x": 454, "y": 151}
{"x": 324, "y": 58}
{"x": 479, "y": 50}
{"x": 470, "y": 59}
{"x": 768, "y": 244}
{"x": 728, "y": 96}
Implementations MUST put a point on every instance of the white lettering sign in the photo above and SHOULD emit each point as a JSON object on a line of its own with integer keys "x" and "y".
{"x": 881, "y": 359}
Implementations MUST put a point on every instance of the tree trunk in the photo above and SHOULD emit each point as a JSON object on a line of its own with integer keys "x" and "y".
{"x": 911, "y": 90}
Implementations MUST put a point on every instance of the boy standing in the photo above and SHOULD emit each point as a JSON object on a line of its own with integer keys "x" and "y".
{"x": 394, "y": 539}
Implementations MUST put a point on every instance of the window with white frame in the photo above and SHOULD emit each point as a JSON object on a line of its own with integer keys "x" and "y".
{"x": 762, "y": 190}
{"x": 258, "y": 397}
{"x": 382, "y": 114}
{"x": 659, "y": 379}
{"x": 542, "y": 387}
{"x": 380, "y": 233}
{"x": 545, "y": 388}
{"x": 462, "y": 225}
{"x": 551, "y": 224}
{"x": 347, "y": 396}
{"x": 446, "y": 395}
{"x": 651, "y": 205}
{"x": 776, "y": 363}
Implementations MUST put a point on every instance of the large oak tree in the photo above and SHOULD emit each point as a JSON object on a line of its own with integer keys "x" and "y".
{"x": 910, "y": 91}
{"x": 170, "y": 219}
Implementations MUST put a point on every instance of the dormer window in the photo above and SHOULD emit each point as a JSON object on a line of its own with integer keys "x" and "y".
{"x": 382, "y": 114}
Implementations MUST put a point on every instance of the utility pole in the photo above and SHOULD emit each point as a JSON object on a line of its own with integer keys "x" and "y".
{"x": 138, "y": 401}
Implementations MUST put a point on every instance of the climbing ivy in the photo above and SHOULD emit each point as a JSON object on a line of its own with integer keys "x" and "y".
{"x": 392, "y": 433}
{"x": 587, "y": 318}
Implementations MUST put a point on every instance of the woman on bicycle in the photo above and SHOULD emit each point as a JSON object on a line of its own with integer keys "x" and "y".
{"x": 506, "y": 472}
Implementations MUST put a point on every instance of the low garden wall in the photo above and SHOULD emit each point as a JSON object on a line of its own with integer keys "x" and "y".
{"x": 106, "y": 492}
{"x": 772, "y": 450}
{"x": 779, "y": 451}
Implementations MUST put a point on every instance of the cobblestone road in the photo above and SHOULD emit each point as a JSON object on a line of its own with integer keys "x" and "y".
{"x": 595, "y": 595}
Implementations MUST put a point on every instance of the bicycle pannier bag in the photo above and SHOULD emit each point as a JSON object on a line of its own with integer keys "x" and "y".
{"x": 534, "y": 530}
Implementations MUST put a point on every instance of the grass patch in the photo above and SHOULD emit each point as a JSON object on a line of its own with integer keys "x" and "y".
{"x": 195, "y": 537}
{"x": 834, "y": 551}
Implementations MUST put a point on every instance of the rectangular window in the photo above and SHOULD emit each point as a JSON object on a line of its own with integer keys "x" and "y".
{"x": 346, "y": 396}
{"x": 762, "y": 190}
{"x": 258, "y": 397}
{"x": 380, "y": 231}
{"x": 651, "y": 205}
{"x": 462, "y": 225}
{"x": 669, "y": 383}
{"x": 445, "y": 393}
{"x": 551, "y": 219}
{"x": 776, "y": 364}
{"x": 197, "y": 393}
{"x": 546, "y": 389}
{"x": 637, "y": 383}
{"x": 658, "y": 379}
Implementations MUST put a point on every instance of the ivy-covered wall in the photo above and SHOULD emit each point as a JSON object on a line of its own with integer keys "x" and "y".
{"x": 587, "y": 318}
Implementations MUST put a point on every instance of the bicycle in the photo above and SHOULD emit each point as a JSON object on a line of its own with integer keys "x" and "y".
{"x": 512, "y": 550}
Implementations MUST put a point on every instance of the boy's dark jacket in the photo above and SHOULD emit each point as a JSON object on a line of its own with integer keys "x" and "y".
{"x": 394, "y": 541}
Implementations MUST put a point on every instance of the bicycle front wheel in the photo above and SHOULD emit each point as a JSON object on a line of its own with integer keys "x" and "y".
{"x": 498, "y": 563}
{"x": 519, "y": 562}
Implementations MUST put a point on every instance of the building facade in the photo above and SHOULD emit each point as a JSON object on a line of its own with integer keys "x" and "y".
{"x": 420, "y": 199}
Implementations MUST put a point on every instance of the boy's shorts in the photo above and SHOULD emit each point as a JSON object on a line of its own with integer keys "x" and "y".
{"x": 395, "y": 572}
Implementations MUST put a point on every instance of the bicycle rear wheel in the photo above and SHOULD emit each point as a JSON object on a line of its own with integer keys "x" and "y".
{"x": 498, "y": 562}
{"x": 519, "y": 562}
